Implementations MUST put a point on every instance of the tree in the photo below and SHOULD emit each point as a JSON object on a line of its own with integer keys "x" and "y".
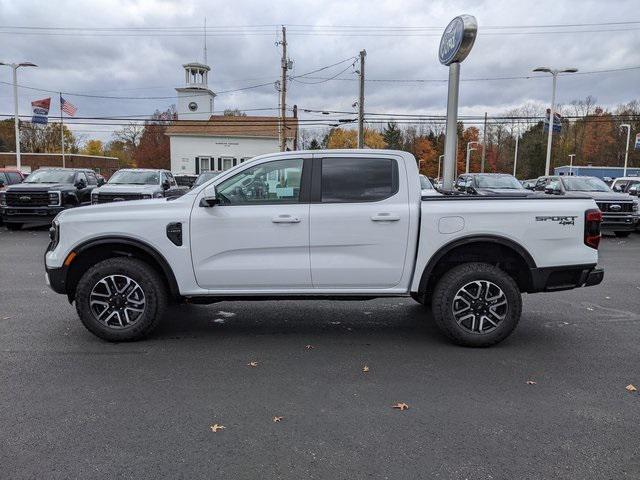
{"x": 120, "y": 150}
{"x": 93, "y": 147}
{"x": 233, "y": 112}
{"x": 340, "y": 138}
{"x": 129, "y": 135}
{"x": 427, "y": 156}
{"x": 153, "y": 149}
{"x": 392, "y": 136}
{"x": 38, "y": 138}
{"x": 314, "y": 145}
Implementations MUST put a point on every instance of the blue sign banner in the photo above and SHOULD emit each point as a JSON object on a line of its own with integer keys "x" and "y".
{"x": 451, "y": 41}
{"x": 41, "y": 110}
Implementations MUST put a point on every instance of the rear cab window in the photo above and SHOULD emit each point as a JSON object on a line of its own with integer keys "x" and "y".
{"x": 357, "y": 180}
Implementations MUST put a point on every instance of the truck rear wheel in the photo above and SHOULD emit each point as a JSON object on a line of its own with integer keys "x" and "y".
{"x": 476, "y": 305}
{"x": 120, "y": 299}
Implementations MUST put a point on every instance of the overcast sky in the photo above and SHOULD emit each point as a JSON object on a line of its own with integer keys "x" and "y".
{"x": 140, "y": 63}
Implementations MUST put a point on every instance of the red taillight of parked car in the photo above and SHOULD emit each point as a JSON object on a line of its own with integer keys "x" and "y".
{"x": 592, "y": 221}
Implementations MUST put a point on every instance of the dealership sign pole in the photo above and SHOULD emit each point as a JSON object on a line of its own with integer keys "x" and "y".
{"x": 456, "y": 43}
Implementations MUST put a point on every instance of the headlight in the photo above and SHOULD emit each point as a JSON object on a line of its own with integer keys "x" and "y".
{"x": 3, "y": 199}
{"x": 635, "y": 207}
{"x": 54, "y": 198}
{"x": 94, "y": 198}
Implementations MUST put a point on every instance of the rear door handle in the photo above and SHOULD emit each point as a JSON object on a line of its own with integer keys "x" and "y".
{"x": 285, "y": 219}
{"x": 385, "y": 217}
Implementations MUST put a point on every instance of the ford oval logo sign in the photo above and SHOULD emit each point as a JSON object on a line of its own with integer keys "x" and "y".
{"x": 615, "y": 207}
{"x": 25, "y": 198}
{"x": 457, "y": 39}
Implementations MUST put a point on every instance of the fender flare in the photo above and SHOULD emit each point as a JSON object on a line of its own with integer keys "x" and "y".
{"x": 148, "y": 249}
{"x": 442, "y": 251}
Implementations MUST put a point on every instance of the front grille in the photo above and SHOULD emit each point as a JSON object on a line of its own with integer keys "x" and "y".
{"x": 625, "y": 207}
{"x": 27, "y": 199}
{"x": 118, "y": 197}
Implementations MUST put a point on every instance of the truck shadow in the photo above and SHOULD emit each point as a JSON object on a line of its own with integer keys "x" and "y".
{"x": 383, "y": 317}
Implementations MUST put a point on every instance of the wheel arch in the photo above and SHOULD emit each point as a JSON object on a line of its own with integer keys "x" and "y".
{"x": 95, "y": 250}
{"x": 481, "y": 248}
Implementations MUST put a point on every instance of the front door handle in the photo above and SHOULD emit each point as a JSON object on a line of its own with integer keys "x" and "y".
{"x": 285, "y": 219}
{"x": 385, "y": 217}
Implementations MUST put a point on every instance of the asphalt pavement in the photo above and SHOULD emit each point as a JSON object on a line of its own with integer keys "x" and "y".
{"x": 73, "y": 406}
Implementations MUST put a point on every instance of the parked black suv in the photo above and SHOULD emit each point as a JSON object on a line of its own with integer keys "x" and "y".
{"x": 44, "y": 193}
{"x": 137, "y": 184}
{"x": 619, "y": 210}
{"x": 490, "y": 184}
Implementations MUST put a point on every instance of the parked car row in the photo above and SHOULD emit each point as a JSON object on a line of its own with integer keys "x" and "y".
{"x": 38, "y": 198}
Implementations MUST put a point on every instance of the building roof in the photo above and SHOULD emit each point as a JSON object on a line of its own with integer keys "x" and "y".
{"x": 234, "y": 126}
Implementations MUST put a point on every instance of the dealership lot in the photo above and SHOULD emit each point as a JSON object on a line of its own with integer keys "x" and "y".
{"x": 72, "y": 406}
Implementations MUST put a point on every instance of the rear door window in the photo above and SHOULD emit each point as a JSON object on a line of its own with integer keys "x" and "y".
{"x": 358, "y": 180}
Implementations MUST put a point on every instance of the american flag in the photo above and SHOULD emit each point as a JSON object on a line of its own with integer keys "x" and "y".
{"x": 68, "y": 107}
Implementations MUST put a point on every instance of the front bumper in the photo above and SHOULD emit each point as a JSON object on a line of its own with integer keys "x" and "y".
{"x": 30, "y": 215}
{"x": 553, "y": 279}
{"x": 56, "y": 279}
{"x": 619, "y": 223}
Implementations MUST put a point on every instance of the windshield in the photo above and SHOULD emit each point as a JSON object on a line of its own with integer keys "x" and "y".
{"x": 584, "y": 184}
{"x": 498, "y": 181}
{"x": 50, "y": 176}
{"x": 205, "y": 177}
{"x": 425, "y": 184}
{"x": 131, "y": 177}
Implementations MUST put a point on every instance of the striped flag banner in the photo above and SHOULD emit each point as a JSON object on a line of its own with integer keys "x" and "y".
{"x": 40, "y": 110}
{"x": 67, "y": 107}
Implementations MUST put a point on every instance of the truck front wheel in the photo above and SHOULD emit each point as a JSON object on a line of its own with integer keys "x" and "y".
{"x": 120, "y": 299}
{"x": 476, "y": 305}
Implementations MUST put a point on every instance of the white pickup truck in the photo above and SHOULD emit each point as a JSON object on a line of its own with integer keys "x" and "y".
{"x": 338, "y": 224}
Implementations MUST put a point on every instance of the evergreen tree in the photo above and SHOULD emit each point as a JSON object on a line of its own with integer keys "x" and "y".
{"x": 392, "y": 136}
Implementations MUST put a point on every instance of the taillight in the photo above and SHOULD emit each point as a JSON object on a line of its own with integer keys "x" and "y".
{"x": 592, "y": 220}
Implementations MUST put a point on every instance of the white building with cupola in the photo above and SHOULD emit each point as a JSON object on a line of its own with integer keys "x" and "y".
{"x": 202, "y": 141}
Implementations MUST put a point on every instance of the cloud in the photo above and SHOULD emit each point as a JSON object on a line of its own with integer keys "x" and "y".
{"x": 151, "y": 65}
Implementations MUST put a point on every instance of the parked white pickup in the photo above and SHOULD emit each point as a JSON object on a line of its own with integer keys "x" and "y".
{"x": 342, "y": 224}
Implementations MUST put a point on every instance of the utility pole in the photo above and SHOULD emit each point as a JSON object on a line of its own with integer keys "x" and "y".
{"x": 484, "y": 143}
{"x": 363, "y": 53}
{"x": 283, "y": 92}
{"x": 61, "y": 130}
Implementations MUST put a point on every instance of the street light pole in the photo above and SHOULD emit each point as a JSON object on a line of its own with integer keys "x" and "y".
{"x": 469, "y": 150}
{"x": 571, "y": 156}
{"x": 626, "y": 153}
{"x": 16, "y": 122}
{"x": 554, "y": 73}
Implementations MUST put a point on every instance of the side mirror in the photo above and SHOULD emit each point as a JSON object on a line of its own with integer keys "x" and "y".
{"x": 551, "y": 190}
{"x": 635, "y": 190}
{"x": 210, "y": 199}
{"x": 101, "y": 182}
{"x": 616, "y": 188}
{"x": 530, "y": 186}
{"x": 166, "y": 185}
{"x": 470, "y": 189}
{"x": 80, "y": 184}
{"x": 1, "y": 183}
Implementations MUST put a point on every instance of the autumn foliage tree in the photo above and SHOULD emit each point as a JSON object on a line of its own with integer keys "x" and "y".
{"x": 153, "y": 148}
{"x": 341, "y": 138}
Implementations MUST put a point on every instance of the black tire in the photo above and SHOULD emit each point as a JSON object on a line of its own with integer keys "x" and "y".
{"x": 622, "y": 234}
{"x": 462, "y": 276}
{"x": 148, "y": 280}
{"x": 13, "y": 226}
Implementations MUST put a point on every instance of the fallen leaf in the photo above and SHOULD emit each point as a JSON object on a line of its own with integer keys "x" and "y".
{"x": 277, "y": 419}
{"x": 365, "y": 369}
{"x": 215, "y": 427}
{"x": 400, "y": 406}
{"x": 252, "y": 364}
{"x": 631, "y": 388}
{"x": 309, "y": 347}
{"x": 590, "y": 309}
{"x": 531, "y": 382}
